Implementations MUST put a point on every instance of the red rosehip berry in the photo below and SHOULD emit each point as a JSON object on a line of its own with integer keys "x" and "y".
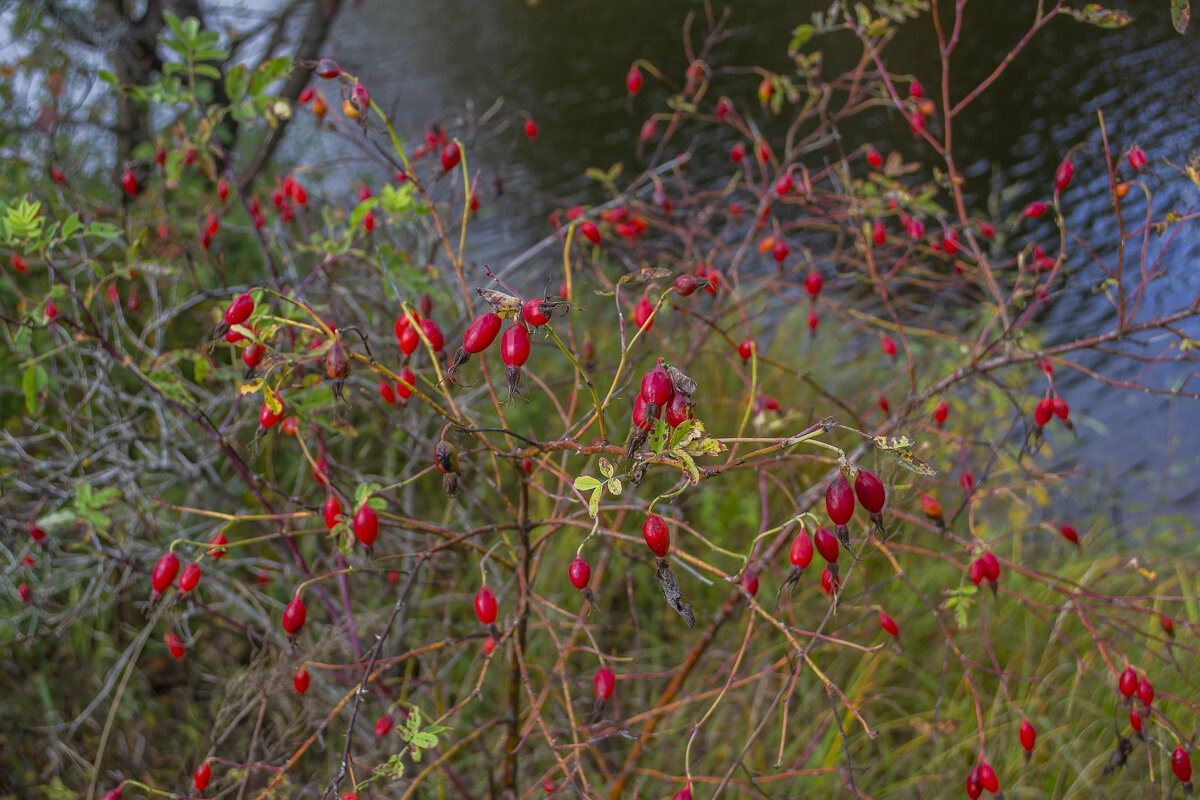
{"x": 331, "y": 511}
{"x": 202, "y": 776}
{"x": 813, "y": 321}
{"x": 888, "y": 624}
{"x": 1181, "y": 764}
{"x": 328, "y": 68}
{"x": 1036, "y": 209}
{"x": 830, "y": 583}
{"x": 1061, "y": 409}
{"x": 737, "y": 153}
{"x": 531, "y": 129}
{"x": 164, "y": 572}
{"x": 931, "y": 507}
{"x": 869, "y": 490}
{"x": 485, "y": 605}
{"x": 580, "y": 572}
{"x": 294, "y": 616}
{"x": 991, "y": 567}
{"x": 1137, "y": 158}
{"x": 1145, "y": 691}
{"x": 657, "y": 535}
{"x": 24, "y": 592}
{"x": 686, "y": 284}
{"x": 839, "y": 500}
{"x": 189, "y": 577}
{"x": 826, "y": 544}
{"x": 678, "y": 410}
{"x": 813, "y": 283}
{"x": 1070, "y": 534}
{"x": 406, "y": 384}
{"x": 252, "y": 356}
{"x": 878, "y": 233}
{"x": 1028, "y": 736}
{"x": 643, "y": 315}
{"x": 590, "y": 231}
{"x": 784, "y": 184}
{"x": 780, "y": 251}
{"x": 301, "y": 680}
{"x": 515, "y": 346}
{"x": 633, "y": 80}
{"x": 603, "y": 683}
{"x": 383, "y": 726}
{"x": 975, "y": 572}
{"x": 801, "y": 552}
{"x": 1063, "y": 175}
{"x": 451, "y": 155}
{"x": 129, "y": 182}
{"x": 1044, "y": 411}
{"x": 750, "y": 582}
{"x": 888, "y": 344}
{"x": 1128, "y": 682}
{"x": 1168, "y": 625}
{"x": 489, "y": 645}
{"x": 239, "y": 310}
{"x": 175, "y": 646}
{"x": 481, "y": 332}
{"x": 656, "y": 385}
{"x": 366, "y": 525}
{"x": 216, "y": 549}
{"x": 746, "y": 349}
{"x": 386, "y": 393}
{"x": 531, "y": 312}
{"x": 941, "y": 413}
{"x": 988, "y": 779}
{"x": 874, "y": 158}
{"x": 915, "y": 89}
{"x": 1135, "y": 720}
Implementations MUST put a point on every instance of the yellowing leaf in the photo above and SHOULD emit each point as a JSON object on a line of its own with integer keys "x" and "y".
{"x": 643, "y": 275}
{"x": 905, "y": 458}
{"x": 272, "y": 400}
{"x": 251, "y": 388}
{"x": 900, "y": 442}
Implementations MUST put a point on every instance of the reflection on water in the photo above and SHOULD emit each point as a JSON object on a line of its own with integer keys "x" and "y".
{"x": 564, "y": 63}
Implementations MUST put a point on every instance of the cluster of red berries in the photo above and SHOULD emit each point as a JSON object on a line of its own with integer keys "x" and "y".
{"x": 986, "y": 566}
{"x": 1049, "y": 407}
{"x": 660, "y": 397}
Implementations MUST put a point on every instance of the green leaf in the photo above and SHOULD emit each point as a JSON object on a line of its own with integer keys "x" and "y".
{"x": 103, "y": 230}
{"x": 680, "y": 435}
{"x": 360, "y": 211}
{"x": 271, "y": 399}
{"x": 585, "y": 483}
{"x": 658, "y": 437}
{"x": 424, "y": 740}
{"x": 688, "y": 464}
{"x": 33, "y": 383}
{"x": 70, "y": 225}
{"x": 800, "y": 37}
{"x": 900, "y": 442}
{"x": 614, "y": 486}
{"x": 108, "y": 77}
{"x": 377, "y": 503}
{"x": 397, "y": 200}
{"x": 208, "y": 71}
{"x": 1181, "y": 14}
{"x": 1095, "y": 14}
{"x": 594, "y": 501}
{"x": 606, "y": 467}
{"x": 268, "y": 73}
{"x": 200, "y": 368}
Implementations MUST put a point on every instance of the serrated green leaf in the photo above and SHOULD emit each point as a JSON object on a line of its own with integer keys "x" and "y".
{"x": 594, "y": 501}
{"x": 585, "y": 483}
{"x": 606, "y": 467}
{"x": 681, "y": 435}
{"x": 614, "y": 486}
{"x": 33, "y": 382}
{"x": 377, "y": 503}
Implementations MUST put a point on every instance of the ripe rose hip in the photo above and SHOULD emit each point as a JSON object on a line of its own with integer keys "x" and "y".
{"x": 580, "y": 572}
{"x": 301, "y": 680}
{"x": 643, "y": 315}
{"x": 1181, "y": 765}
{"x": 1044, "y": 411}
{"x": 780, "y": 251}
{"x": 189, "y": 577}
{"x": 888, "y": 344}
{"x": 164, "y": 572}
{"x": 215, "y": 551}
{"x": 591, "y": 231}
{"x": 656, "y": 385}
{"x": 531, "y": 128}
{"x": 202, "y": 776}
{"x": 931, "y": 507}
{"x": 657, "y": 535}
{"x": 813, "y": 321}
{"x": 239, "y": 310}
{"x": 1135, "y": 720}
{"x": 974, "y": 787}
{"x": 801, "y": 552}
{"x": 175, "y": 646}
{"x": 784, "y": 184}
{"x": 1036, "y": 209}
{"x": 1137, "y": 158}
{"x": 387, "y": 393}
{"x": 1028, "y": 736}
{"x": 328, "y": 68}
{"x": 830, "y": 582}
{"x": 874, "y": 158}
{"x": 1061, "y": 409}
{"x": 532, "y": 313}
{"x": 366, "y": 525}
{"x": 915, "y": 89}
{"x": 1168, "y": 625}
{"x": 485, "y": 605}
{"x": 826, "y": 544}
{"x": 991, "y": 567}
{"x": 293, "y": 616}
{"x": 451, "y": 155}
{"x": 1063, "y": 175}
{"x": 489, "y": 645}
{"x": 129, "y": 182}
{"x": 36, "y": 533}
{"x": 1128, "y": 682}
{"x": 839, "y": 500}
{"x": 1145, "y": 691}
{"x": 750, "y": 582}
{"x": 331, "y": 510}
{"x": 1070, "y": 534}
{"x": 975, "y": 572}
{"x": 677, "y": 410}
{"x": 603, "y": 683}
{"x": 633, "y": 80}
{"x": 641, "y": 420}
{"x": 382, "y": 726}
{"x": 888, "y": 624}
{"x": 869, "y": 490}
{"x": 737, "y": 153}
{"x": 878, "y": 233}
{"x": 481, "y": 332}
{"x": 988, "y": 779}
{"x": 24, "y": 592}
{"x": 813, "y": 283}
{"x": 406, "y": 384}
{"x": 746, "y": 349}
{"x": 434, "y": 334}
{"x": 686, "y": 284}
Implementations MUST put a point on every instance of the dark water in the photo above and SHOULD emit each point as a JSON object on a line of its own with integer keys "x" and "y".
{"x": 564, "y": 62}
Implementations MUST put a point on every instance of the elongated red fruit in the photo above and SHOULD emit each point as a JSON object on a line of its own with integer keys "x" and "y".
{"x": 164, "y": 572}
{"x": 1064, "y": 174}
{"x": 189, "y": 577}
{"x": 827, "y": 545}
{"x": 485, "y": 605}
{"x": 515, "y": 345}
{"x": 1070, "y": 534}
{"x": 1181, "y": 764}
{"x": 887, "y": 623}
{"x": 604, "y": 682}
{"x": 450, "y": 156}
{"x": 988, "y": 779}
{"x": 301, "y": 680}
{"x": 1128, "y": 682}
{"x": 869, "y": 490}
{"x": 532, "y": 312}
{"x": 580, "y": 572}
{"x": 657, "y": 535}
{"x": 643, "y": 314}
{"x": 202, "y": 776}
{"x": 839, "y": 500}
{"x": 294, "y": 616}
{"x": 656, "y": 385}
{"x": 366, "y": 525}
{"x": 481, "y": 333}
{"x": 239, "y": 310}
{"x": 801, "y": 552}
{"x": 1028, "y": 736}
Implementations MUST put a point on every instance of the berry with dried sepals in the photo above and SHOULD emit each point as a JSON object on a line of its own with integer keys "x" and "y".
{"x": 657, "y": 535}
{"x": 839, "y": 503}
{"x": 478, "y": 337}
{"x": 514, "y": 351}
{"x": 872, "y": 496}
